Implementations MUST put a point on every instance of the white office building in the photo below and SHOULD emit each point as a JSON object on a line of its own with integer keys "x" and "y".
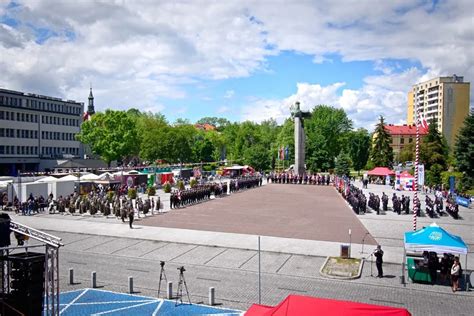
{"x": 37, "y": 130}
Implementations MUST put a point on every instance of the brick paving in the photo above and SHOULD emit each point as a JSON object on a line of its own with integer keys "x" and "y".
{"x": 291, "y": 211}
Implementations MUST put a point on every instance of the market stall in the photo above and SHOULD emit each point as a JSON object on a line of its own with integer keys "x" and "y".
{"x": 299, "y": 305}
{"x": 404, "y": 181}
{"x": 433, "y": 240}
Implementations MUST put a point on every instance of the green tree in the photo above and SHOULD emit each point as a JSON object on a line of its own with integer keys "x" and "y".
{"x": 111, "y": 135}
{"x": 407, "y": 153}
{"x": 382, "y": 154}
{"x": 218, "y": 122}
{"x": 434, "y": 154}
{"x": 359, "y": 148}
{"x": 152, "y": 129}
{"x": 343, "y": 164}
{"x": 464, "y": 152}
{"x": 326, "y": 132}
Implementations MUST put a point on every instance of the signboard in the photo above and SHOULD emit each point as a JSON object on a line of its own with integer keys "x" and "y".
{"x": 421, "y": 175}
{"x": 129, "y": 181}
{"x": 452, "y": 180}
{"x": 462, "y": 201}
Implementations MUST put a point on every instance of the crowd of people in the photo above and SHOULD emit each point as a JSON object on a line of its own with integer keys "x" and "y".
{"x": 306, "y": 178}
{"x": 245, "y": 183}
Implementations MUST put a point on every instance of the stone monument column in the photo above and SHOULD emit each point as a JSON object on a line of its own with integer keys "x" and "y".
{"x": 299, "y": 116}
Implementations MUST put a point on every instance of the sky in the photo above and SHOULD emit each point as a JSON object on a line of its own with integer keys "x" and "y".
{"x": 242, "y": 60}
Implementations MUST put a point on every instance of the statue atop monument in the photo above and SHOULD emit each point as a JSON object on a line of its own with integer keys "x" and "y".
{"x": 299, "y": 116}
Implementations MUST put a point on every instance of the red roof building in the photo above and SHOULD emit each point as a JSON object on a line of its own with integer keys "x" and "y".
{"x": 205, "y": 127}
{"x": 403, "y": 135}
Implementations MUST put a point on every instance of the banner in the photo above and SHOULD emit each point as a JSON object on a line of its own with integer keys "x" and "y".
{"x": 452, "y": 180}
{"x": 462, "y": 201}
{"x": 287, "y": 153}
{"x": 421, "y": 175}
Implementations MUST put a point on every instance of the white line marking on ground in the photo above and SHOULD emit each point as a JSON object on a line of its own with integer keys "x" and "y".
{"x": 73, "y": 301}
{"x": 155, "y": 312}
{"x": 121, "y": 309}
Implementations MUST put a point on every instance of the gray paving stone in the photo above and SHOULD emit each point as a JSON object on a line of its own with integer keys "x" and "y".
{"x": 271, "y": 262}
{"x": 232, "y": 258}
{"x": 168, "y": 252}
{"x": 88, "y": 243}
{"x": 199, "y": 255}
{"x": 303, "y": 266}
{"x": 141, "y": 249}
{"x": 114, "y": 245}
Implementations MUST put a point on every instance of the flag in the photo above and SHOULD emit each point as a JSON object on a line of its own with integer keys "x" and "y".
{"x": 281, "y": 153}
{"x": 287, "y": 153}
{"x": 422, "y": 121}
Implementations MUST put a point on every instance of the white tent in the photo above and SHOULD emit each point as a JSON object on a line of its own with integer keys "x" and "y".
{"x": 47, "y": 179}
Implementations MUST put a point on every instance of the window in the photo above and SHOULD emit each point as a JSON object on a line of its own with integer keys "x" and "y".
{"x": 2, "y": 115}
{"x": 402, "y": 140}
{"x": 410, "y": 140}
{"x": 2, "y": 132}
{"x": 2, "y": 150}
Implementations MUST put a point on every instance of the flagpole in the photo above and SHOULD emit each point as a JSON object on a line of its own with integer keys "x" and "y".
{"x": 416, "y": 202}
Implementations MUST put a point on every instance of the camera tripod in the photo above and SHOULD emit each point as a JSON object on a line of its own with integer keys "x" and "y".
{"x": 162, "y": 277}
{"x": 181, "y": 283}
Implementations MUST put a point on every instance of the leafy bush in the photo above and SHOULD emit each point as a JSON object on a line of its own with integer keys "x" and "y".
{"x": 132, "y": 193}
{"x": 167, "y": 187}
{"x": 110, "y": 196}
{"x": 151, "y": 191}
{"x": 193, "y": 183}
{"x": 180, "y": 185}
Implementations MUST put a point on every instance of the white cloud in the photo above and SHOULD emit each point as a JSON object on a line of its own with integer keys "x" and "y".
{"x": 223, "y": 109}
{"x": 384, "y": 95}
{"x": 229, "y": 94}
{"x": 136, "y": 53}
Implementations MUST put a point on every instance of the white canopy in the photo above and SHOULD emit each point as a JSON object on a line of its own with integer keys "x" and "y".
{"x": 47, "y": 179}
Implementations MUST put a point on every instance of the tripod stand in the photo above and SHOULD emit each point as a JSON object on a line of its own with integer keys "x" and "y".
{"x": 181, "y": 283}
{"x": 162, "y": 277}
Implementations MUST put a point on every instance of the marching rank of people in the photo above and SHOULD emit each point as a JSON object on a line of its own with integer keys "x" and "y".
{"x": 306, "y": 178}
{"x": 197, "y": 194}
{"x": 356, "y": 199}
{"x": 245, "y": 183}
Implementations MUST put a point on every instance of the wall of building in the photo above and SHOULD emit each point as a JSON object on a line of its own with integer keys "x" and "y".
{"x": 410, "y": 119}
{"x": 456, "y": 109}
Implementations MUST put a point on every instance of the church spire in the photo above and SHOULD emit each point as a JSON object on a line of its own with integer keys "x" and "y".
{"x": 90, "y": 108}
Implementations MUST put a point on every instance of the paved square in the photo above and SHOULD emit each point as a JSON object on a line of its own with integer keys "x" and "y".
{"x": 280, "y": 210}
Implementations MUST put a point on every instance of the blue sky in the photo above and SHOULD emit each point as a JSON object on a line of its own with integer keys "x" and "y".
{"x": 236, "y": 59}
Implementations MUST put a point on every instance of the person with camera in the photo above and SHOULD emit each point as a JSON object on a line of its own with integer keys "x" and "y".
{"x": 378, "y": 253}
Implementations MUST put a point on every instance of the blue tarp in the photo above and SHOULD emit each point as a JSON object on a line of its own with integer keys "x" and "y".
{"x": 434, "y": 238}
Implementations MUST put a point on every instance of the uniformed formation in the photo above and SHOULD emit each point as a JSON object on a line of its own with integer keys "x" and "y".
{"x": 307, "y": 178}
{"x": 190, "y": 196}
{"x": 401, "y": 204}
{"x": 432, "y": 206}
{"x": 452, "y": 207}
{"x": 356, "y": 199}
{"x": 245, "y": 183}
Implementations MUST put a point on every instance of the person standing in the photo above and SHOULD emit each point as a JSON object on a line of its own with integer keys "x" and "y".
{"x": 455, "y": 274}
{"x": 378, "y": 253}
{"x": 130, "y": 217}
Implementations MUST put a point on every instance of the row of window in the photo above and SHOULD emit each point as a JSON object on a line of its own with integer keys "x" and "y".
{"x": 54, "y": 151}
{"x": 20, "y": 117}
{"x": 26, "y": 133}
{"x": 33, "y": 118}
{"x": 45, "y": 119}
{"x": 20, "y": 133}
{"x": 57, "y": 135}
{"x": 33, "y": 150}
{"x": 40, "y": 105}
{"x": 18, "y": 150}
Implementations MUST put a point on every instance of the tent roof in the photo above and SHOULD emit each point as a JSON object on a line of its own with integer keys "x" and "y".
{"x": 406, "y": 174}
{"x": 434, "y": 238}
{"x": 306, "y": 305}
{"x": 47, "y": 179}
{"x": 70, "y": 164}
{"x": 380, "y": 171}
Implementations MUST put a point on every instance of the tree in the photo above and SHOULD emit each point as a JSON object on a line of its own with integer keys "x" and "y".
{"x": 382, "y": 153}
{"x": 112, "y": 135}
{"x": 343, "y": 164}
{"x": 218, "y": 122}
{"x": 464, "y": 152}
{"x": 152, "y": 129}
{"x": 326, "y": 131}
{"x": 359, "y": 148}
{"x": 408, "y": 153}
{"x": 434, "y": 154}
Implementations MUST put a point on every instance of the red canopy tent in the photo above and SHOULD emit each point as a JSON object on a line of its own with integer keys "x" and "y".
{"x": 406, "y": 174}
{"x": 306, "y": 306}
{"x": 381, "y": 171}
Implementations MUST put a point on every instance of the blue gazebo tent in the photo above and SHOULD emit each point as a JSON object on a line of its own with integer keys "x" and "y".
{"x": 433, "y": 238}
